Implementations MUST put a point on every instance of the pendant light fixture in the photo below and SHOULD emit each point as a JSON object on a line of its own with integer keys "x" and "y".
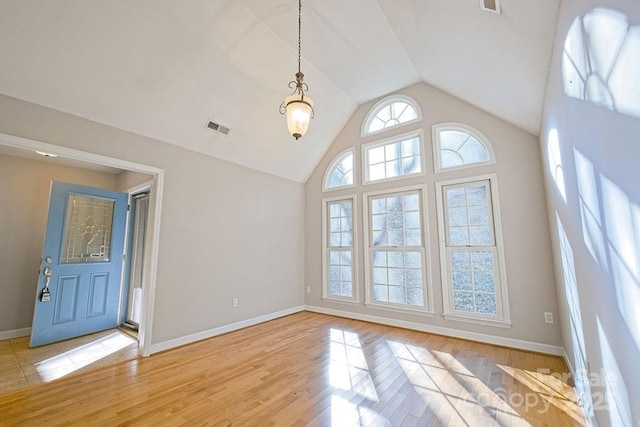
{"x": 298, "y": 107}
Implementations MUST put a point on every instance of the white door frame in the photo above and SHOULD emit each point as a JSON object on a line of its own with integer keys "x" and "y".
{"x": 155, "y": 209}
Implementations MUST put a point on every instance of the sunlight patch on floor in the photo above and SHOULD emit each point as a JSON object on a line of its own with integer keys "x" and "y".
{"x": 546, "y": 388}
{"x": 449, "y": 389}
{"x": 84, "y": 355}
{"x": 348, "y": 369}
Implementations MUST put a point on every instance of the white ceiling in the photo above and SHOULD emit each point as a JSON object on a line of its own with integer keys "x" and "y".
{"x": 163, "y": 68}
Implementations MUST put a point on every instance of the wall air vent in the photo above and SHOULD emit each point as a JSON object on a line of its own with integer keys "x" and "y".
{"x": 217, "y": 127}
{"x": 492, "y": 6}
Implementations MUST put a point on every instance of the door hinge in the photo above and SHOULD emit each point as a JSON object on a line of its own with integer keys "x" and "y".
{"x": 128, "y": 208}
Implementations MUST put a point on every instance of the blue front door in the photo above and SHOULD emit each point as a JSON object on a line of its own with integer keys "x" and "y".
{"x": 80, "y": 275}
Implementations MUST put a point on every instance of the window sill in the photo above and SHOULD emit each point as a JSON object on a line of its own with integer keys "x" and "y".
{"x": 404, "y": 310}
{"x": 477, "y": 321}
{"x": 341, "y": 301}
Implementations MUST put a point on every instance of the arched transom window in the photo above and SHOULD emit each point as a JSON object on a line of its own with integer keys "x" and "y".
{"x": 340, "y": 172}
{"x": 390, "y": 112}
{"x": 459, "y": 146}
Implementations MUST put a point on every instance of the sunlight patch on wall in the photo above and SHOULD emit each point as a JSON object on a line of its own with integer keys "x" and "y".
{"x": 617, "y": 396}
{"x": 601, "y": 61}
{"x": 622, "y": 218}
{"x": 555, "y": 162}
{"x": 592, "y": 230}
{"x": 581, "y": 374}
{"x": 611, "y": 231}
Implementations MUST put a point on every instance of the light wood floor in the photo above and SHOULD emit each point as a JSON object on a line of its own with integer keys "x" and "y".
{"x": 311, "y": 369}
{"x": 21, "y": 366}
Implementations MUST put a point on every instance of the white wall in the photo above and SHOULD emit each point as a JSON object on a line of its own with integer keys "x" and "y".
{"x": 226, "y": 230}
{"x": 24, "y": 203}
{"x": 598, "y": 148}
{"x": 530, "y": 276}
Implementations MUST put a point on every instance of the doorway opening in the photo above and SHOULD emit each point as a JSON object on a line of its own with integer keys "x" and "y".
{"x": 133, "y": 285}
{"x": 150, "y": 255}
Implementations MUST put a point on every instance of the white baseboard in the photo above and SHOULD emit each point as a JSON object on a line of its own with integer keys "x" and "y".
{"x": 456, "y": 333}
{"x": 15, "y": 333}
{"x": 166, "y": 345}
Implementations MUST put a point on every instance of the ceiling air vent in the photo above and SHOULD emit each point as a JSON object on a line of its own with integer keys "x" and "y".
{"x": 492, "y": 6}
{"x": 218, "y": 127}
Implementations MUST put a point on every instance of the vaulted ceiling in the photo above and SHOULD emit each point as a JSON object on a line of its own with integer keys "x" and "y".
{"x": 163, "y": 68}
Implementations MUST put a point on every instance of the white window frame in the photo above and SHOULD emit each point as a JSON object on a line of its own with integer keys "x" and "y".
{"x": 373, "y": 112}
{"x": 354, "y": 300}
{"x": 460, "y": 127}
{"x": 397, "y": 138}
{"x": 333, "y": 164}
{"x": 503, "y": 317}
{"x": 428, "y": 309}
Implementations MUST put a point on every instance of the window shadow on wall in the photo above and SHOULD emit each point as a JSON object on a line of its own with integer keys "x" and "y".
{"x": 601, "y": 61}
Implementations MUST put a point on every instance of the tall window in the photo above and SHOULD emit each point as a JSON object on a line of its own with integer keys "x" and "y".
{"x": 396, "y": 273}
{"x": 339, "y": 257}
{"x": 393, "y": 158}
{"x": 459, "y": 146}
{"x": 391, "y": 112}
{"x": 471, "y": 254}
{"x": 340, "y": 172}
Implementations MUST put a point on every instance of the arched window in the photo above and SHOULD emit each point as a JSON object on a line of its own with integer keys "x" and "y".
{"x": 340, "y": 171}
{"x": 391, "y": 112}
{"x": 459, "y": 146}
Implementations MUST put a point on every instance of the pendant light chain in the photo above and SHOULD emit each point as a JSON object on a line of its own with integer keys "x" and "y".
{"x": 299, "y": 30}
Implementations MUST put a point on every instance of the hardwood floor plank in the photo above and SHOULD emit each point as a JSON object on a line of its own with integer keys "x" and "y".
{"x": 309, "y": 369}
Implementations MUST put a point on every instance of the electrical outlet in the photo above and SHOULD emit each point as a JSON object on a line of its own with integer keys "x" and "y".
{"x": 548, "y": 317}
{"x": 308, "y": 289}
{"x": 234, "y": 303}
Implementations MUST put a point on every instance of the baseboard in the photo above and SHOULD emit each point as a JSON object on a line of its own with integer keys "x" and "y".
{"x": 455, "y": 333}
{"x": 15, "y": 333}
{"x": 188, "y": 339}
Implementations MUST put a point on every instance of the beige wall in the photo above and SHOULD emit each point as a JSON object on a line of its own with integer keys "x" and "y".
{"x": 24, "y": 203}
{"x": 226, "y": 231}
{"x": 599, "y": 269}
{"x": 129, "y": 179}
{"x": 531, "y": 283}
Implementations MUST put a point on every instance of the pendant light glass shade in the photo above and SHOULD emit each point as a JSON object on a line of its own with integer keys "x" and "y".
{"x": 299, "y": 110}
